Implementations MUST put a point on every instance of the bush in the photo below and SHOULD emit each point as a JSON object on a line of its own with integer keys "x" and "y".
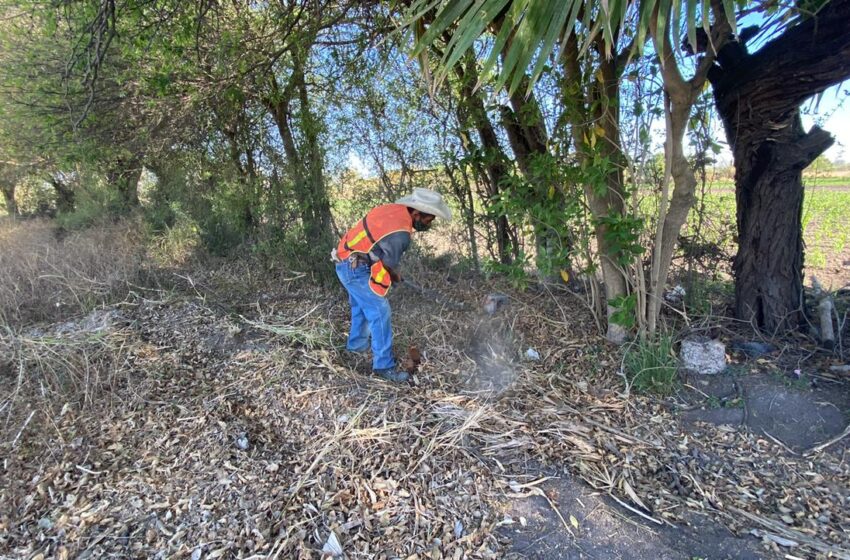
{"x": 650, "y": 365}
{"x": 173, "y": 240}
{"x": 94, "y": 203}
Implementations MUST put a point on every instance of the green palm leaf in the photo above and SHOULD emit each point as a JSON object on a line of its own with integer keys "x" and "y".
{"x": 530, "y": 29}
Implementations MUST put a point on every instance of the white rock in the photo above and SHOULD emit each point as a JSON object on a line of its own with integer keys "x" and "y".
{"x": 703, "y": 355}
{"x": 532, "y": 354}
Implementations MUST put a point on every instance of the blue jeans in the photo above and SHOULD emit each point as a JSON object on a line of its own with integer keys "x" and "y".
{"x": 370, "y": 314}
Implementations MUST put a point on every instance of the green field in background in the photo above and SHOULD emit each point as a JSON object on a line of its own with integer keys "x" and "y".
{"x": 826, "y": 222}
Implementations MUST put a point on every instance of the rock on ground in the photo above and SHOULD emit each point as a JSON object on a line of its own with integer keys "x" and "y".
{"x": 702, "y": 355}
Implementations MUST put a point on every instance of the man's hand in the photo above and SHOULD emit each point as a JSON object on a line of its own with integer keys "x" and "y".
{"x": 395, "y": 276}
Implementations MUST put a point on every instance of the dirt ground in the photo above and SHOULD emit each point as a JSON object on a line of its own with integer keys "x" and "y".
{"x": 189, "y": 423}
{"x": 794, "y": 413}
{"x": 605, "y": 530}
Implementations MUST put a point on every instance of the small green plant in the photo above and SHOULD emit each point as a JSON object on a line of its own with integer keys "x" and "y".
{"x": 650, "y": 365}
{"x": 625, "y": 310}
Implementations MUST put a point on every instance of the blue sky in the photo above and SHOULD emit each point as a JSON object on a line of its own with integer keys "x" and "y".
{"x": 833, "y": 115}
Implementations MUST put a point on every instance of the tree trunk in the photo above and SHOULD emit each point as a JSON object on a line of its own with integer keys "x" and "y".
{"x": 758, "y": 97}
{"x": 526, "y": 128}
{"x": 471, "y": 113}
{"x": 590, "y": 103}
{"x": 65, "y": 196}
{"x": 124, "y": 175}
{"x": 769, "y": 194}
{"x": 679, "y": 98}
{"x": 239, "y": 145}
{"x": 8, "y": 189}
{"x": 305, "y": 162}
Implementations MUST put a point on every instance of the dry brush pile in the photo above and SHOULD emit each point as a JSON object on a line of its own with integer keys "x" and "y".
{"x": 194, "y": 424}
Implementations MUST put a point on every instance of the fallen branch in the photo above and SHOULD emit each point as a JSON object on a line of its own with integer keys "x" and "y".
{"x": 824, "y": 445}
{"x": 635, "y": 510}
{"x": 24, "y": 427}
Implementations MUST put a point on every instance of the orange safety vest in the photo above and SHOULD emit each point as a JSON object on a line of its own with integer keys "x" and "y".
{"x": 378, "y": 223}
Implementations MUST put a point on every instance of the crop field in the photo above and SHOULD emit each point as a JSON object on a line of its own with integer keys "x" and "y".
{"x": 826, "y": 215}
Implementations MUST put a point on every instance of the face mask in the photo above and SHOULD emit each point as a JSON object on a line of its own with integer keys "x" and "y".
{"x": 419, "y": 226}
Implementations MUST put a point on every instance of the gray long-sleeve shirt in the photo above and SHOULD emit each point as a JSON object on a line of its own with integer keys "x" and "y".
{"x": 390, "y": 249}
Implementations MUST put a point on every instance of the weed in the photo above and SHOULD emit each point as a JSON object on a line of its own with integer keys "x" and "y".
{"x": 650, "y": 365}
{"x": 715, "y": 403}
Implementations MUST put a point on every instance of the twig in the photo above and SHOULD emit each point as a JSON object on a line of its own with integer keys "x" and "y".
{"x": 824, "y": 445}
{"x": 780, "y": 443}
{"x": 635, "y": 510}
{"x": 21, "y": 431}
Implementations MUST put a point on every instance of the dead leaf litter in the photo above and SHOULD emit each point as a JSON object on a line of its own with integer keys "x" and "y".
{"x": 191, "y": 431}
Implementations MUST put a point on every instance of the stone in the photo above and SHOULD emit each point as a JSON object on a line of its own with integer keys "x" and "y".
{"x": 703, "y": 355}
{"x": 751, "y": 348}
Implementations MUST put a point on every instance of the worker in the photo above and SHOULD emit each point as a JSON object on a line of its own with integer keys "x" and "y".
{"x": 367, "y": 260}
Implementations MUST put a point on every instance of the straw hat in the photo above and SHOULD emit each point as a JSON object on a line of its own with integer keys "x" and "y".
{"x": 428, "y": 201}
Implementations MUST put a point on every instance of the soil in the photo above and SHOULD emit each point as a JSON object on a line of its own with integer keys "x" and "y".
{"x": 783, "y": 408}
{"x": 793, "y": 412}
{"x": 604, "y": 530}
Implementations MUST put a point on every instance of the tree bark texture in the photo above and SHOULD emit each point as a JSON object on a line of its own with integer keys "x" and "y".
{"x": 758, "y": 97}
{"x": 472, "y": 114}
{"x": 591, "y": 102}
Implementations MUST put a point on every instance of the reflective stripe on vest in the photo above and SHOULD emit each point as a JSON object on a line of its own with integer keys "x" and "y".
{"x": 378, "y": 223}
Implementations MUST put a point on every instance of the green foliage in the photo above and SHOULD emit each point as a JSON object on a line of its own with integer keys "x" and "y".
{"x": 650, "y": 364}
{"x": 532, "y": 29}
{"x": 94, "y": 203}
{"x": 622, "y": 234}
{"x": 625, "y": 312}
{"x": 35, "y": 197}
{"x": 173, "y": 240}
{"x": 515, "y": 273}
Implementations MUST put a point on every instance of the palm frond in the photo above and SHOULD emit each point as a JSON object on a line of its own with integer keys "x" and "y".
{"x": 530, "y": 29}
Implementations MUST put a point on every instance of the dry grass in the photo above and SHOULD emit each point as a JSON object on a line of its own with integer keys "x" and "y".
{"x": 45, "y": 276}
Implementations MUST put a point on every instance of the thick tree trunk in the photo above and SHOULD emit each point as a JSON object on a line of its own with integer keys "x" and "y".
{"x": 758, "y": 97}
{"x": 769, "y": 194}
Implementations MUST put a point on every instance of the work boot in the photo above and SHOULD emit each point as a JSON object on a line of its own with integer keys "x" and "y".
{"x": 392, "y": 374}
